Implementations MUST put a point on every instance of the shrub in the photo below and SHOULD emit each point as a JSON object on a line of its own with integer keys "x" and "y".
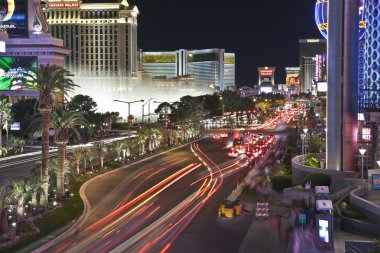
{"x": 312, "y": 161}
{"x": 317, "y": 179}
{"x": 281, "y": 182}
{"x": 351, "y": 213}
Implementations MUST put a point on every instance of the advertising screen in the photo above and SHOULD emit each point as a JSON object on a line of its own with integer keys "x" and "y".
{"x": 376, "y": 181}
{"x": 322, "y": 87}
{"x": 15, "y": 20}
{"x": 323, "y": 230}
{"x": 14, "y": 67}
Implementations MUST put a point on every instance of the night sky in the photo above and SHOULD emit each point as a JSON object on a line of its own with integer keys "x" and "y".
{"x": 260, "y": 33}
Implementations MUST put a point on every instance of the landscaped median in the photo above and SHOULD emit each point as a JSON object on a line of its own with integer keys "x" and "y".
{"x": 52, "y": 224}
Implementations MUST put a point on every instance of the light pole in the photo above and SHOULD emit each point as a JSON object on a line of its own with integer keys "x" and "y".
{"x": 147, "y": 102}
{"x": 305, "y": 139}
{"x": 303, "y": 146}
{"x": 129, "y": 112}
{"x": 362, "y": 152}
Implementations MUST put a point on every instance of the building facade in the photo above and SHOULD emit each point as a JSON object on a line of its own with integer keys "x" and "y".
{"x": 312, "y": 52}
{"x": 26, "y": 43}
{"x": 210, "y": 68}
{"x": 102, "y": 36}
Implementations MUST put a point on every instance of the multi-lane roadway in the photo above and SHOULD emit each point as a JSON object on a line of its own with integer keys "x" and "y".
{"x": 145, "y": 206}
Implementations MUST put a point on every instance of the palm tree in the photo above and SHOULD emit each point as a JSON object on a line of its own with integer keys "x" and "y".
{"x": 64, "y": 122}
{"x": 141, "y": 140}
{"x": 100, "y": 150}
{"x": 18, "y": 193}
{"x": 156, "y": 136}
{"x": 76, "y": 158}
{"x": 54, "y": 167}
{"x": 128, "y": 144}
{"x": 91, "y": 157}
{"x": 5, "y": 199}
{"x": 49, "y": 80}
{"x": 118, "y": 146}
{"x": 85, "y": 152}
{"x": 34, "y": 188}
{"x": 5, "y": 112}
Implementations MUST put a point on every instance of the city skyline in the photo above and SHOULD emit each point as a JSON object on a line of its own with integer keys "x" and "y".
{"x": 232, "y": 26}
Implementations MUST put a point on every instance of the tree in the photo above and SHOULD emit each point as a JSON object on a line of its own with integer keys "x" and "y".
{"x": 34, "y": 188}
{"x": 5, "y": 199}
{"x": 5, "y": 112}
{"x": 118, "y": 146}
{"x": 76, "y": 158}
{"x": 65, "y": 122}
{"x": 50, "y": 81}
{"x": 18, "y": 193}
{"x": 82, "y": 103}
{"x": 100, "y": 150}
{"x": 85, "y": 152}
{"x": 129, "y": 144}
{"x": 141, "y": 140}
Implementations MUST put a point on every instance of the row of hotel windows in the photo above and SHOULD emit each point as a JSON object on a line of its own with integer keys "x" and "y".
{"x": 68, "y": 14}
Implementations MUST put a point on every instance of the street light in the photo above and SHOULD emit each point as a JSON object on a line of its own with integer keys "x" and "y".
{"x": 142, "y": 119}
{"x": 129, "y": 112}
{"x": 362, "y": 152}
{"x": 303, "y": 145}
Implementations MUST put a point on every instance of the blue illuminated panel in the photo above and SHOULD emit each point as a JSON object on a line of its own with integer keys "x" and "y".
{"x": 321, "y": 17}
{"x": 371, "y": 86}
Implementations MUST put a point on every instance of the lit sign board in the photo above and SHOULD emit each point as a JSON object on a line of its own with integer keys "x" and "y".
{"x": 2, "y": 47}
{"x": 376, "y": 181}
{"x": 15, "y": 20}
{"x": 15, "y": 126}
{"x": 266, "y": 89}
{"x": 64, "y": 5}
{"x": 159, "y": 59}
{"x": 229, "y": 59}
{"x": 322, "y": 87}
{"x": 14, "y": 67}
{"x": 266, "y": 72}
{"x": 323, "y": 230}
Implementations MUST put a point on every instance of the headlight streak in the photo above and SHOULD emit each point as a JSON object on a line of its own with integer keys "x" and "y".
{"x": 213, "y": 185}
{"x": 185, "y": 171}
{"x": 138, "y": 198}
{"x": 145, "y": 179}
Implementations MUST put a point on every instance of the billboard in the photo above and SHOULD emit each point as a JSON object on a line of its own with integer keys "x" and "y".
{"x": 14, "y": 67}
{"x": 158, "y": 59}
{"x": 15, "y": 20}
{"x": 292, "y": 76}
{"x": 376, "y": 181}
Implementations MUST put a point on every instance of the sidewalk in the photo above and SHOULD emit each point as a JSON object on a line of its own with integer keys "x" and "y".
{"x": 262, "y": 236}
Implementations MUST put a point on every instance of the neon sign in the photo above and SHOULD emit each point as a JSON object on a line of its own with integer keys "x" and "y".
{"x": 64, "y": 5}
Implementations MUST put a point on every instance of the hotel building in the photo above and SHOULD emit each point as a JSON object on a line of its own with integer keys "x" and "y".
{"x": 102, "y": 36}
{"x": 212, "y": 68}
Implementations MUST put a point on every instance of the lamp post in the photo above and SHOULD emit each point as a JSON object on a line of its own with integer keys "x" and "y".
{"x": 303, "y": 146}
{"x": 147, "y": 102}
{"x": 129, "y": 112}
{"x": 362, "y": 152}
{"x": 221, "y": 100}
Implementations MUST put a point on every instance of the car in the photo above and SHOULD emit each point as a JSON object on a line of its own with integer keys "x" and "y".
{"x": 233, "y": 153}
{"x": 216, "y": 136}
{"x": 224, "y": 135}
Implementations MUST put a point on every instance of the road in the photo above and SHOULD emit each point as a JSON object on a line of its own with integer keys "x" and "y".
{"x": 145, "y": 206}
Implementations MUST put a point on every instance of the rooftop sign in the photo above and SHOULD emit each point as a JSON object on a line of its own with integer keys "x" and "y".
{"x": 64, "y": 5}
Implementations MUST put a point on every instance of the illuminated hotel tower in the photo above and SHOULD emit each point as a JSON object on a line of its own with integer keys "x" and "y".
{"x": 342, "y": 78}
{"x": 102, "y": 36}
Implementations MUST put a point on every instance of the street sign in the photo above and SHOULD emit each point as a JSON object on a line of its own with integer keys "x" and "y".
{"x": 15, "y": 126}
{"x": 302, "y": 218}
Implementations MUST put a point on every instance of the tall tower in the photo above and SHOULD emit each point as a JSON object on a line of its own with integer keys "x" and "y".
{"x": 342, "y": 78}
